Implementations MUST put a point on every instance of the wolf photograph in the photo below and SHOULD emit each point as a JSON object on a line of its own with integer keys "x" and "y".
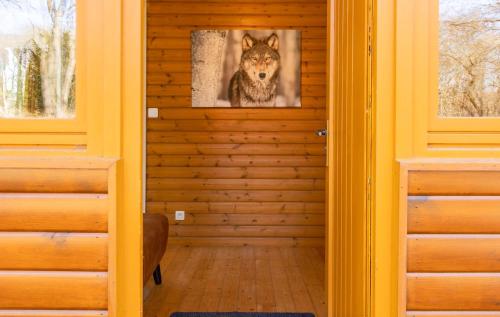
{"x": 253, "y": 69}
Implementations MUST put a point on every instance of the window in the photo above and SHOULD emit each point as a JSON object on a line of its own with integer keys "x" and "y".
{"x": 469, "y": 61}
{"x": 37, "y": 59}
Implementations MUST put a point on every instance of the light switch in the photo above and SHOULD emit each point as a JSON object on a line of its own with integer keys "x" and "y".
{"x": 179, "y": 215}
{"x": 152, "y": 112}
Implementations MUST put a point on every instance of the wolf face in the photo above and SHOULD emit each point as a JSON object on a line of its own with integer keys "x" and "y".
{"x": 255, "y": 83}
{"x": 260, "y": 59}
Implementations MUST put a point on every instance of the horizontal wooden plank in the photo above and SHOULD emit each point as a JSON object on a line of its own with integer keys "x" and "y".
{"x": 250, "y": 219}
{"x": 246, "y": 231}
{"x": 452, "y": 314}
{"x": 242, "y": 114}
{"x": 240, "y": 21}
{"x": 235, "y": 184}
{"x": 185, "y": 43}
{"x": 236, "y": 125}
{"x": 184, "y": 55}
{"x": 237, "y": 207}
{"x": 162, "y": 8}
{"x": 177, "y": 31}
{"x": 185, "y": 102}
{"x": 236, "y": 149}
{"x": 235, "y": 160}
{"x": 173, "y": 137}
{"x": 236, "y": 172}
{"x": 171, "y": 78}
{"x": 54, "y": 213}
{"x": 241, "y": 1}
{"x": 20, "y": 180}
{"x": 233, "y": 242}
{"x": 53, "y": 313}
{"x": 453, "y": 253}
{"x": 236, "y": 195}
{"x": 53, "y": 251}
{"x": 179, "y": 66}
{"x": 185, "y": 90}
{"x": 53, "y": 290}
{"x": 55, "y": 162}
{"x": 453, "y": 183}
{"x": 453, "y": 292}
{"x": 454, "y": 214}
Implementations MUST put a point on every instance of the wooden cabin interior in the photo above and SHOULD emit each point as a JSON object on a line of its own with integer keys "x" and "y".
{"x": 251, "y": 181}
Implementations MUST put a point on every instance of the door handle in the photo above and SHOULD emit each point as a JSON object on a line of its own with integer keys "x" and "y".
{"x": 322, "y": 132}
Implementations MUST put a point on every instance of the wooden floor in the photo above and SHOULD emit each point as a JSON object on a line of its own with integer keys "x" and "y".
{"x": 246, "y": 279}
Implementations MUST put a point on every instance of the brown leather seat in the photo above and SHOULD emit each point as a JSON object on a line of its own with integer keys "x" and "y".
{"x": 154, "y": 245}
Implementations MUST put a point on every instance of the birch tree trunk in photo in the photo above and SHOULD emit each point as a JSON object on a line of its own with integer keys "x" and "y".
{"x": 208, "y": 47}
{"x": 288, "y": 75}
{"x": 231, "y": 60}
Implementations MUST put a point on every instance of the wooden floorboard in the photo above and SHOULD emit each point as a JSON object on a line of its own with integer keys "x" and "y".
{"x": 244, "y": 279}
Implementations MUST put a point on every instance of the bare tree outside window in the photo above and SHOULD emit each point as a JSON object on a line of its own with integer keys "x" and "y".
{"x": 469, "y": 58}
{"x": 37, "y": 58}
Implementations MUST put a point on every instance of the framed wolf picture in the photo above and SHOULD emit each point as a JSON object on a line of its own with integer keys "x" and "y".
{"x": 253, "y": 69}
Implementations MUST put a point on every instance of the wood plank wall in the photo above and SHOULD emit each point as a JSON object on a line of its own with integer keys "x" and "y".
{"x": 243, "y": 176}
{"x": 56, "y": 233}
{"x": 450, "y": 240}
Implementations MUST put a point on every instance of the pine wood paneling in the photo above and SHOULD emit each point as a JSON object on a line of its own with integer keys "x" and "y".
{"x": 452, "y": 314}
{"x": 449, "y": 239}
{"x": 231, "y": 8}
{"x": 53, "y": 313}
{"x": 239, "y": 207}
{"x": 54, "y": 251}
{"x": 454, "y": 214}
{"x": 235, "y": 160}
{"x": 257, "y": 219}
{"x": 460, "y": 183}
{"x": 241, "y": 175}
{"x": 455, "y": 292}
{"x": 450, "y": 253}
{"x": 57, "y": 236}
{"x": 53, "y": 181}
{"x": 53, "y": 290}
{"x": 54, "y": 213}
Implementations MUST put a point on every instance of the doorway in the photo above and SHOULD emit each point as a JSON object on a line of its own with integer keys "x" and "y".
{"x": 252, "y": 182}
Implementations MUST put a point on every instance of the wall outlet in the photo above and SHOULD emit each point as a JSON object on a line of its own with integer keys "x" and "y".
{"x": 153, "y": 113}
{"x": 180, "y": 215}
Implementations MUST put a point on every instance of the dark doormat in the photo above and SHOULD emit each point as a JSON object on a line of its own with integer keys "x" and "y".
{"x": 237, "y": 314}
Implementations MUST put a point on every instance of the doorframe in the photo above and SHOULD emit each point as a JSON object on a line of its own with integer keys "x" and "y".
{"x": 334, "y": 296}
{"x": 132, "y": 167}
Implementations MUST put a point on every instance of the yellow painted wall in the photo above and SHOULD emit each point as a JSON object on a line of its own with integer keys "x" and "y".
{"x": 407, "y": 126}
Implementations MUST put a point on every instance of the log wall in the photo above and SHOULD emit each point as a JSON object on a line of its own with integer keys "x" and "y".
{"x": 449, "y": 240}
{"x": 243, "y": 176}
{"x": 57, "y": 235}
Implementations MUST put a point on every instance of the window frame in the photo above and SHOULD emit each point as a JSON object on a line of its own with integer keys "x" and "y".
{"x": 98, "y": 75}
{"x": 76, "y": 124}
{"x": 421, "y": 130}
{"x": 447, "y": 124}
